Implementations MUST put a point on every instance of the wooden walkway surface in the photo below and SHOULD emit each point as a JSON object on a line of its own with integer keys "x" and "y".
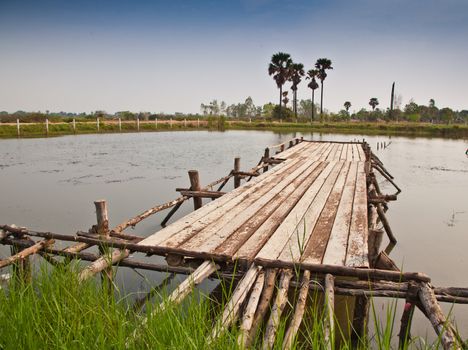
{"x": 311, "y": 208}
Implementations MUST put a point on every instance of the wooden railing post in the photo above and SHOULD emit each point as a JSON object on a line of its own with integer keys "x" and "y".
{"x": 195, "y": 186}
{"x": 265, "y": 157}
{"x": 103, "y": 232}
{"x": 237, "y": 179}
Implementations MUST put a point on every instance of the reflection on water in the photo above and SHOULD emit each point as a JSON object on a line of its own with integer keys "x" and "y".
{"x": 50, "y": 184}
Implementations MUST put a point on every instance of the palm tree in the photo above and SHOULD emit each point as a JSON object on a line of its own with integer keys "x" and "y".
{"x": 285, "y": 98}
{"x": 296, "y": 72}
{"x": 322, "y": 65}
{"x": 347, "y": 105}
{"x": 280, "y": 69}
{"x": 311, "y": 74}
{"x": 374, "y": 102}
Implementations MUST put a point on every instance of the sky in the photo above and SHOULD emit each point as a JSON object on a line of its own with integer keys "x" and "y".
{"x": 171, "y": 56}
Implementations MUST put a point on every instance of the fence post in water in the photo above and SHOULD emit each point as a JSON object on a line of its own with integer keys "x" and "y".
{"x": 47, "y": 126}
{"x": 237, "y": 179}
{"x": 74, "y": 126}
{"x": 103, "y": 231}
{"x": 97, "y": 124}
{"x": 195, "y": 186}
{"x": 120, "y": 124}
{"x": 266, "y": 156}
{"x": 138, "y": 124}
{"x": 18, "y": 127}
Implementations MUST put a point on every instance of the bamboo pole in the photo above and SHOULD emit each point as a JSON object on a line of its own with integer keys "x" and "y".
{"x": 441, "y": 325}
{"x": 103, "y": 263}
{"x": 103, "y": 232}
{"x": 97, "y": 124}
{"x": 120, "y": 124}
{"x": 277, "y": 310}
{"x": 74, "y": 125}
{"x": 18, "y": 127}
{"x": 195, "y": 186}
{"x": 47, "y": 126}
{"x": 298, "y": 312}
{"x": 237, "y": 179}
{"x": 232, "y": 308}
{"x": 329, "y": 331}
{"x": 23, "y": 254}
{"x": 249, "y": 312}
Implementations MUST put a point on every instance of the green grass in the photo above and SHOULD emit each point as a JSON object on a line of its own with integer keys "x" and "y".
{"x": 55, "y": 311}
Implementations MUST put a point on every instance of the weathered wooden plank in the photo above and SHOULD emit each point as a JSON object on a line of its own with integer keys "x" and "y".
{"x": 343, "y": 152}
{"x": 362, "y": 155}
{"x": 357, "y": 254}
{"x": 294, "y": 151}
{"x": 349, "y": 153}
{"x": 356, "y": 155}
{"x": 326, "y": 151}
{"x": 300, "y": 244}
{"x": 251, "y": 236}
{"x": 236, "y": 195}
{"x": 335, "y": 254}
{"x": 316, "y": 245}
{"x": 259, "y": 238}
{"x": 211, "y": 236}
{"x": 275, "y": 245}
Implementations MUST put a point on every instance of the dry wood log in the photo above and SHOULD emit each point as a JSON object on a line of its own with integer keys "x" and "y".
{"x": 346, "y": 271}
{"x": 201, "y": 194}
{"x": 441, "y": 324}
{"x": 388, "y": 178}
{"x": 298, "y": 312}
{"x": 103, "y": 263}
{"x": 277, "y": 310}
{"x": 274, "y": 160}
{"x": 172, "y": 212}
{"x": 407, "y": 315}
{"x": 329, "y": 331}
{"x": 195, "y": 186}
{"x": 263, "y": 306}
{"x": 266, "y": 156}
{"x": 249, "y": 312}
{"x": 231, "y": 310}
{"x": 382, "y": 168}
{"x": 243, "y": 174}
{"x": 384, "y": 262}
{"x": 184, "y": 289}
{"x": 385, "y": 224}
{"x": 26, "y": 252}
{"x": 237, "y": 179}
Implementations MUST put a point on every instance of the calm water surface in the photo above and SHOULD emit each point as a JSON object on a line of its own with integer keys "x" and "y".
{"x": 50, "y": 184}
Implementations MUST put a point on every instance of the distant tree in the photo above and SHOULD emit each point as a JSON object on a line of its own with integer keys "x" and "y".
{"x": 250, "y": 109}
{"x": 296, "y": 73}
{"x": 311, "y": 74}
{"x": 446, "y": 115}
{"x": 347, "y": 105}
{"x": 322, "y": 64}
{"x": 279, "y": 69}
{"x": 305, "y": 108}
{"x": 267, "y": 110}
{"x": 373, "y": 102}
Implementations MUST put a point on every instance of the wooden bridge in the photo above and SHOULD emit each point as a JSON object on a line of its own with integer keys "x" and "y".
{"x": 303, "y": 217}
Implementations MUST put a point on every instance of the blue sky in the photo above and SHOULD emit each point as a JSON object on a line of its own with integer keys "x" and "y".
{"x": 170, "y": 56}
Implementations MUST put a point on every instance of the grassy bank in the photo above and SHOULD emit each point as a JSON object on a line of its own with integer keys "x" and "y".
{"x": 364, "y": 128}
{"x": 55, "y": 311}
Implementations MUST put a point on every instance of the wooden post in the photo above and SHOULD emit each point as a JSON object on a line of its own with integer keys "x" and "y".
{"x": 185, "y": 123}
{"x": 156, "y": 122}
{"x": 250, "y": 120}
{"x": 282, "y": 147}
{"x": 103, "y": 231}
{"x": 265, "y": 157}
{"x": 237, "y": 179}
{"x": 47, "y": 126}
{"x": 329, "y": 315}
{"x": 138, "y": 124}
{"x": 198, "y": 122}
{"x": 297, "y": 140}
{"x": 74, "y": 125}
{"x": 120, "y": 124}
{"x": 195, "y": 186}
{"x": 291, "y": 143}
{"x": 18, "y": 127}
{"x": 170, "y": 123}
{"x": 22, "y": 268}
{"x": 97, "y": 124}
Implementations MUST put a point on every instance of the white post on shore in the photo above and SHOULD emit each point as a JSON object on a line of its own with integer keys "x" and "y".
{"x": 170, "y": 123}
{"x": 74, "y": 125}
{"x": 18, "y": 127}
{"x": 138, "y": 124}
{"x": 120, "y": 124}
{"x": 185, "y": 123}
{"x": 250, "y": 120}
{"x": 198, "y": 122}
{"x": 97, "y": 123}
{"x": 156, "y": 122}
{"x": 47, "y": 126}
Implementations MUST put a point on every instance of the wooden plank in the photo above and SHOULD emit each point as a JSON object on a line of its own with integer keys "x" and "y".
{"x": 316, "y": 245}
{"x": 211, "y": 236}
{"x": 303, "y": 241}
{"x": 344, "y": 151}
{"x": 260, "y": 237}
{"x": 357, "y": 254}
{"x": 335, "y": 254}
{"x": 334, "y": 149}
{"x": 349, "y": 153}
{"x": 236, "y": 195}
{"x": 292, "y": 152}
{"x": 275, "y": 245}
{"x": 326, "y": 151}
{"x": 356, "y": 155}
{"x": 362, "y": 155}
{"x": 263, "y": 224}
